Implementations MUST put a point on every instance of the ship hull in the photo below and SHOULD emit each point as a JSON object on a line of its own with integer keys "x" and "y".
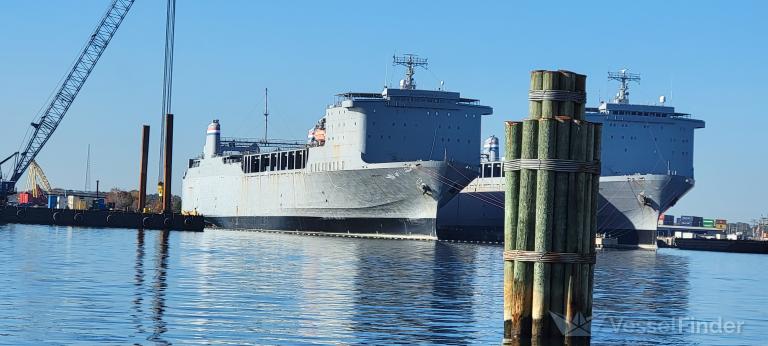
{"x": 384, "y": 200}
{"x": 628, "y": 209}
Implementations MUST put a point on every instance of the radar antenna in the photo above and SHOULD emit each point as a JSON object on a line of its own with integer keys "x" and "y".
{"x": 624, "y": 77}
{"x": 410, "y": 61}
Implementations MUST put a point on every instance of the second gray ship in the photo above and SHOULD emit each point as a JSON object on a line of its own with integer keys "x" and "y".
{"x": 647, "y": 166}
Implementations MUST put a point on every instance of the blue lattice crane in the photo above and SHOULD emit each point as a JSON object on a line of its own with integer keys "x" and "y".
{"x": 46, "y": 123}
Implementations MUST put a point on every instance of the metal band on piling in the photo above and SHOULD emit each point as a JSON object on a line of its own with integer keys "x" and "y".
{"x": 549, "y": 257}
{"x": 557, "y": 165}
{"x": 557, "y": 95}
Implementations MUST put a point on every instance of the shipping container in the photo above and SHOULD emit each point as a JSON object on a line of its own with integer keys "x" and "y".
{"x": 721, "y": 222}
{"x": 708, "y": 223}
{"x": 53, "y": 201}
{"x": 98, "y": 204}
{"x": 669, "y": 220}
{"x": 24, "y": 197}
{"x": 721, "y": 226}
{"x": 685, "y": 221}
{"x": 79, "y": 203}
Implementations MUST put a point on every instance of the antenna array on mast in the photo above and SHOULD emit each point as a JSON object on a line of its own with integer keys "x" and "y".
{"x": 624, "y": 77}
{"x": 410, "y": 61}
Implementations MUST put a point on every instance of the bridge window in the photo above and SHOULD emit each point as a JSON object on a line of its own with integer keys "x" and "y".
{"x": 497, "y": 170}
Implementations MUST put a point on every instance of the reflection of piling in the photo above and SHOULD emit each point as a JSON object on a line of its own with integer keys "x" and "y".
{"x": 167, "y": 197}
{"x": 552, "y": 174}
{"x": 143, "y": 168}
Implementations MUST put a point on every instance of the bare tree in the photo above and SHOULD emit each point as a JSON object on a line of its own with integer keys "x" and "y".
{"x": 123, "y": 200}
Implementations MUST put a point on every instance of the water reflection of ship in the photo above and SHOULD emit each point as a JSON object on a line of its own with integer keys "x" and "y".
{"x": 424, "y": 293}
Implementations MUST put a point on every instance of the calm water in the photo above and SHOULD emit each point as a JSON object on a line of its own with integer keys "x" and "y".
{"x": 92, "y": 286}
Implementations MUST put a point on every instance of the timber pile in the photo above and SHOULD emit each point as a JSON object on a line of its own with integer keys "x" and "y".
{"x": 552, "y": 176}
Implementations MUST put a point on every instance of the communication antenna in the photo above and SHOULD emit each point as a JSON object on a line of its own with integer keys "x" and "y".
{"x": 266, "y": 112}
{"x": 624, "y": 77}
{"x": 410, "y": 61}
{"x": 386, "y": 76}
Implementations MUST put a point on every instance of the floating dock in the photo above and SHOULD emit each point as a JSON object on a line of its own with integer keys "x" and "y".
{"x": 101, "y": 218}
{"x": 723, "y": 245}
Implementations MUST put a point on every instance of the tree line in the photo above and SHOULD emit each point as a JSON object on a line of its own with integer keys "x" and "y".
{"x": 129, "y": 201}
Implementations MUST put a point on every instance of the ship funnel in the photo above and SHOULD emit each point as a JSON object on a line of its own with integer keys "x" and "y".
{"x": 212, "y": 139}
{"x": 491, "y": 149}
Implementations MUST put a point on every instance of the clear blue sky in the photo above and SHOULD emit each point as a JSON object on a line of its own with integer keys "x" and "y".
{"x": 708, "y": 57}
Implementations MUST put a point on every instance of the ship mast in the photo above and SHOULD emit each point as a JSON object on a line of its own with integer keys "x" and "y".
{"x": 266, "y": 112}
{"x": 624, "y": 77}
{"x": 410, "y": 61}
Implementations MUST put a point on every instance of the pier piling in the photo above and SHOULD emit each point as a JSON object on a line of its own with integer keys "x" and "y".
{"x": 143, "y": 168}
{"x": 167, "y": 165}
{"x": 513, "y": 132}
{"x": 551, "y": 176}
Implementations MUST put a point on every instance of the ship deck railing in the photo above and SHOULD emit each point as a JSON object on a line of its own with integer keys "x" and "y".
{"x": 253, "y": 145}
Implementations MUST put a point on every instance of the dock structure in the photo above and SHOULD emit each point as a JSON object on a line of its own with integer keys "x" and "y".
{"x": 552, "y": 176}
{"x": 101, "y": 219}
{"x": 167, "y": 220}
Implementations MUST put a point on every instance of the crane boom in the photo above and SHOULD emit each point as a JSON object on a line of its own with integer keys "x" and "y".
{"x": 55, "y": 111}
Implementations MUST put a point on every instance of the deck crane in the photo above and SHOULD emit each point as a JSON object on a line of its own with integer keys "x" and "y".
{"x": 47, "y": 122}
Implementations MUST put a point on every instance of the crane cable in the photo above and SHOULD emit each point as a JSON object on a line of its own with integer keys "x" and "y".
{"x": 170, "y": 24}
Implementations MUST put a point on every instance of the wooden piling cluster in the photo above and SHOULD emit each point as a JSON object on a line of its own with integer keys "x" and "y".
{"x": 552, "y": 176}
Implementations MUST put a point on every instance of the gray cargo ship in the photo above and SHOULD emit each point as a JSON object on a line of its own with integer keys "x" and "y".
{"x": 378, "y": 164}
{"x": 647, "y": 166}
